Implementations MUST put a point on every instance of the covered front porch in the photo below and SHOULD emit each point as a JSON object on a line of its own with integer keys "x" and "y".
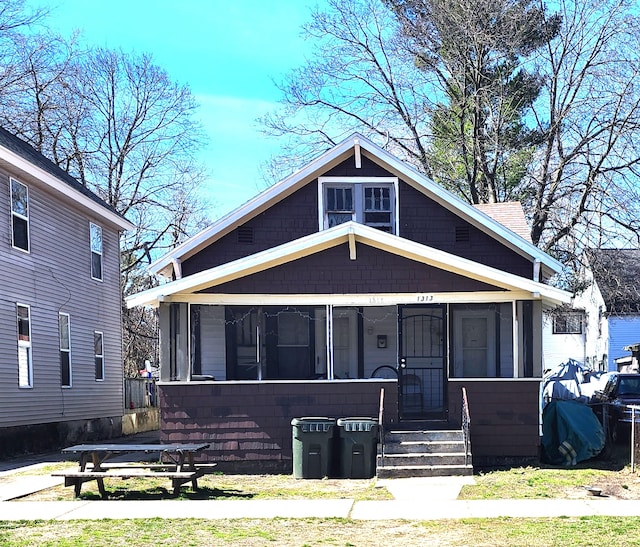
{"x": 420, "y": 346}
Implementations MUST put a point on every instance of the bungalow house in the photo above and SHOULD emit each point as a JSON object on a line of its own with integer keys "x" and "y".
{"x": 355, "y": 273}
{"x": 61, "y": 374}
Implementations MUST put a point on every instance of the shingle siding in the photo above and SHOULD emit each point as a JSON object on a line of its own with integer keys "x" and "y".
{"x": 332, "y": 271}
{"x": 421, "y": 220}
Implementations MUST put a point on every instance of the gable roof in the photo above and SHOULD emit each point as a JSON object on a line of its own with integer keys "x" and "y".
{"x": 617, "y": 272}
{"x": 351, "y": 233}
{"x": 17, "y": 154}
{"x": 348, "y": 147}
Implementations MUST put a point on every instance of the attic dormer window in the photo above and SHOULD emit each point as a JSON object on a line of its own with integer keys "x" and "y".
{"x": 339, "y": 205}
{"x": 370, "y": 201}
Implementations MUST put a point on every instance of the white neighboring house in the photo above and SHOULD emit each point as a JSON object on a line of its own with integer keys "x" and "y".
{"x": 617, "y": 272}
{"x": 579, "y": 331}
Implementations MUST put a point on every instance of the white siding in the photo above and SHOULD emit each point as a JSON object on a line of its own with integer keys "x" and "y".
{"x": 56, "y": 277}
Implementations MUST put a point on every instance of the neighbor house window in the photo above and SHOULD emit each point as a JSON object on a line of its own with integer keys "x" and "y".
{"x": 19, "y": 215}
{"x": 367, "y": 201}
{"x": 65, "y": 349}
{"x": 25, "y": 374}
{"x": 99, "y": 355}
{"x": 96, "y": 251}
{"x": 568, "y": 323}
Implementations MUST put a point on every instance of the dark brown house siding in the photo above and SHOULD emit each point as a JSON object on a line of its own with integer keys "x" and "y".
{"x": 425, "y": 221}
{"x": 292, "y": 218}
{"x": 332, "y": 271}
{"x": 367, "y": 169}
{"x": 504, "y": 419}
{"x": 421, "y": 220}
{"x": 248, "y": 424}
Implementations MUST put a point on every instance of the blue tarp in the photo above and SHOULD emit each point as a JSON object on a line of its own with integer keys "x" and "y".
{"x": 571, "y": 433}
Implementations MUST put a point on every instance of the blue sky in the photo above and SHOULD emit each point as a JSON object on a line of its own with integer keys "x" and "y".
{"x": 227, "y": 51}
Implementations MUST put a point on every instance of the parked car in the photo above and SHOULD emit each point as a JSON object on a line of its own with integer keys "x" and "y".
{"x": 618, "y": 395}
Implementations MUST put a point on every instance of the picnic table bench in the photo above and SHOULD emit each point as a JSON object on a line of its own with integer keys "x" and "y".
{"x": 176, "y": 463}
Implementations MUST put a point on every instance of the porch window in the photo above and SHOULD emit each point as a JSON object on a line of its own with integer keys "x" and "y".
{"x": 367, "y": 201}
{"x": 568, "y": 323}
{"x": 19, "y": 215}
{"x": 98, "y": 352}
{"x": 482, "y": 341}
{"x": 65, "y": 349}
{"x": 96, "y": 251}
{"x": 271, "y": 343}
{"x": 25, "y": 372}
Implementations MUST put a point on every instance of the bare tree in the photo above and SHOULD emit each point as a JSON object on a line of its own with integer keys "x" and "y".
{"x": 548, "y": 114}
{"x": 583, "y": 186}
{"x": 14, "y": 18}
{"x": 476, "y": 50}
{"x": 124, "y": 129}
{"x": 360, "y": 78}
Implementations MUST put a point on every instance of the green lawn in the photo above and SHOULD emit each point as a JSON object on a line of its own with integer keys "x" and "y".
{"x": 621, "y": 532}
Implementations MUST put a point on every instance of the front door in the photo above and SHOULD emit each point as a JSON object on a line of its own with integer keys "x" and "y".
{"x": 474, "y": 347}
{"x": 422, "y": 359}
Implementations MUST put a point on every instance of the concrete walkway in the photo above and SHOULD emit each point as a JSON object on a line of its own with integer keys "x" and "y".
{"x": 414, "y": 499}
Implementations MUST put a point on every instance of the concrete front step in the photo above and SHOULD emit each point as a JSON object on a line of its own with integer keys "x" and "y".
{"x": 423, "y": 447}
{"x": 417, "y": 452}
{"x": 421, "y": 460}
{"x": 436, "y": 435}
{"x": 403, "y": 472}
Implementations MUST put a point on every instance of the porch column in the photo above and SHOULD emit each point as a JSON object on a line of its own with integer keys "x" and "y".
{"x": 174, "y": 341}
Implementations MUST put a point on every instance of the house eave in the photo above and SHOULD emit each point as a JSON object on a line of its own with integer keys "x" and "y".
{"x": 352, "y": 234}
{"x": 32, "y": 172}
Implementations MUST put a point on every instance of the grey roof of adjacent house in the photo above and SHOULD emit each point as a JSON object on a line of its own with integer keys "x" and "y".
{"x": 617, "y": 272}
{"x": 30, "y": 154}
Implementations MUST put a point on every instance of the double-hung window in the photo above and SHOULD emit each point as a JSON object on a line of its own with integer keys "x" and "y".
{"x": 96, "y": 251}
{"x": 377, "y": 207}
{"x": 568, "y": 323}
{"x": 99, "y": 355}
{"x": 339, "y": 205}
{"x": 25, "y": 373}
{"x": 65, "y": 349}
{"x": 369, "y": 201}
{"x": 19, "y": 215}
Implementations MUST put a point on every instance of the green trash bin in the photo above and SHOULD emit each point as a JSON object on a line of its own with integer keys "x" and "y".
{"x": 358, "y": 447}
{"x": 313, "y": 447}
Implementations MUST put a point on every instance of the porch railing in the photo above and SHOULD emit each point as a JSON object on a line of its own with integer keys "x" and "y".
{"x": 466, "y": 426}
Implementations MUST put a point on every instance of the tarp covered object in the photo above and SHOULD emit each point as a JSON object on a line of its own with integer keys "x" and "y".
{"x": 571, "y": 433}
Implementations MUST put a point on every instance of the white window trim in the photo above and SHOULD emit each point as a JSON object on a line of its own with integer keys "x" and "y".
{"x": 14, "y": 213}
{"x": 362, "y": 182}
{"x": 70, "y": 384}
{"x": 101, "y": 253}
{"x": 95, "y": 356}
{"x": 28, "y": 346}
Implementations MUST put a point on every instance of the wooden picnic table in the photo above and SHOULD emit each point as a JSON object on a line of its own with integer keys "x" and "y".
{"x": 176, "y": 462}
